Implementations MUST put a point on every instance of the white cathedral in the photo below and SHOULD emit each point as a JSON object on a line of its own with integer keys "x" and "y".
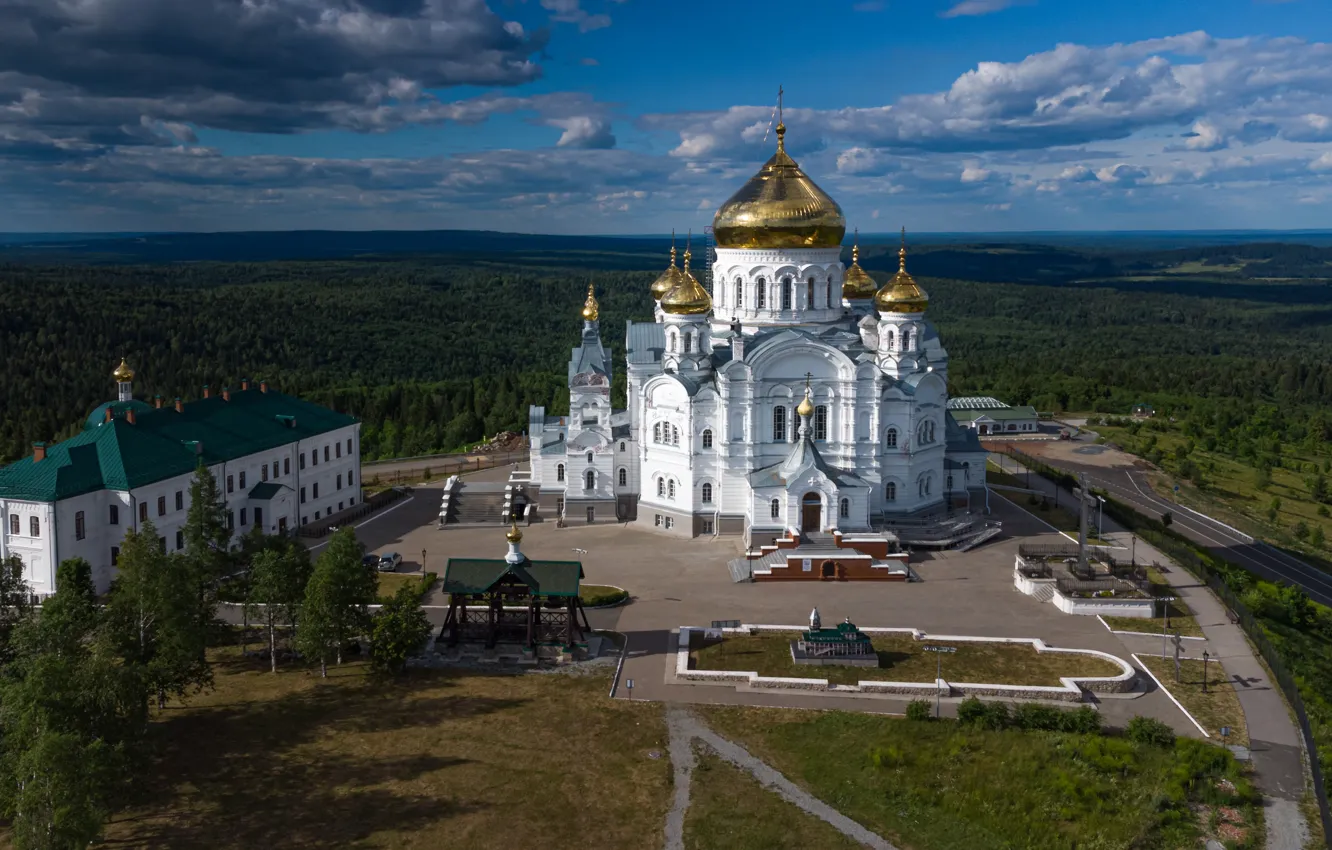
{"x": 797, "y": 397}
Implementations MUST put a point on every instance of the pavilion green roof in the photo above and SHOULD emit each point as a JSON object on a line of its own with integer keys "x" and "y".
{"x": 543, "y": 578}
{"x": 162, "y": 443}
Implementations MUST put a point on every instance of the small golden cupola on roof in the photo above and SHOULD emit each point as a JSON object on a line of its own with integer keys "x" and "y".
{"x": 514, "y": 534}
{"x": 591, "y": 309}
{"x": 689, "y": 298}
{"x": 668, "y": 279}
{"x": 901, "y": 294}
{"x": 780, "y": 207}
{"x": 857, "y": 284}
{"x": 123, "y": 373}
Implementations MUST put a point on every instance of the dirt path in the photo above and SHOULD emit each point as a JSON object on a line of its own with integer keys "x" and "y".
{"x": 685, "y": 728}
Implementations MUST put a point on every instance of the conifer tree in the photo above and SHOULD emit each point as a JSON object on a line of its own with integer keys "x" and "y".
{"x": 398, "y": 630}
{"x": 337, "y": 599}
{"x": 15, "y": 601}
{"x": 278, "y": 577}
{"x": 206, "y": 536}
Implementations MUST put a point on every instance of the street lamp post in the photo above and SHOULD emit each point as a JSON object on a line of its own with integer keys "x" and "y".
{"x": 1206, "y": 655}
{"x": 1100, "y": 516}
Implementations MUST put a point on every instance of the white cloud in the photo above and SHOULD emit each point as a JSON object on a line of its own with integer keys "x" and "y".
{"x": 968, "y": 8}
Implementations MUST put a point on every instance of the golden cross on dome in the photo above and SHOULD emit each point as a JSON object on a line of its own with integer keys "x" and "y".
{"x": 901, "y": 252}
{"x": 780, "y": 92}
{"x": 809, "y": 376}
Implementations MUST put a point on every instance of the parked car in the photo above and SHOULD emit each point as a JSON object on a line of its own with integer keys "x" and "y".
{"x": 370, "y": 561}
{"x": 388, "y": 562}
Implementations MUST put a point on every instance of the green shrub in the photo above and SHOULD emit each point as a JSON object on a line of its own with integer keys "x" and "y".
{"x": 1084, "y": 720}
{"x": 1151, "y": 732}
{"x": 1035, "y": 717}
{"x": 997, "y": 717}
{"x": 920, "y": 709}
{"x": 887, "y": 757}
{"x": 970, "y": 711}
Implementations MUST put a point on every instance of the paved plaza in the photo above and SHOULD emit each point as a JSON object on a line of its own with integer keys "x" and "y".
{"x": 675, "y": 582}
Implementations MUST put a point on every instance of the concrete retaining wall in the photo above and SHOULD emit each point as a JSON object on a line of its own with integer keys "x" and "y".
{"x": 1106, "y": 607}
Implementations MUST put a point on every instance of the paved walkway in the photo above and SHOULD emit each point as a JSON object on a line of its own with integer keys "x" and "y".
{"x": 1275, "y": 740}
{"x": 685, "y": 728}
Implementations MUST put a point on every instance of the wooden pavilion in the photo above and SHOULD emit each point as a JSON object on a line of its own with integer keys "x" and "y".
{"x": 534, "y": 603}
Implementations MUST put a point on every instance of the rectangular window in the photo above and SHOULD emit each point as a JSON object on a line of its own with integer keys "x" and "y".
{"x": 143, "y": 511}
{"x": 259, "y": 518}
{"x": 339, "y": 481}
{"x": 114, "y": 519}
{"x": 180, "y": 540}
{"x": 78, "y": 526}
{"x": 821, "y": 422}
{"x": 349, "y": 446}
{"x": 338, "y": 446}
{"x": 349, "y": 479}
{"x": 314, "y": 457}
{"x": 305, "y": 520}
{"x": 161, "y": 505}
{"x": 302, "y": 460}
{"x": 180, "y": 500}
{"x": 242, "y": 480}
{"x": 339, "y": 505}
{"x": 779, "y": 424}
{"x": 115, "y": 555}
{"x": 242, "y": 516}
{"x": 263, "y": 472}
{"x": 14, "y": 521}
{"x": 707, "y": 526}
{"x": 35, "y": 526}
{"x": 286, "y": 466}
{"x": 351, "y": 502}
{"x": 670, "y": 522}
{"x": 302, "y": 496}
{"x": 316, "y": 514}
{"x": 231, "y": 484}
{"x": 657, "y": 521}
{"x": 231, "y": 520}
{"x": 275, "y": 469}
{"x": 315, "y": 490}
{"x": 161, "y": 541}
{"x": 325, "y": 454}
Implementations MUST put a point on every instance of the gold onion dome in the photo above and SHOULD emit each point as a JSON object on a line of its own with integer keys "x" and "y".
{"x": 901, "y": 294}
{"x": 689, "y": 298}
{"x": 806, "y": 407}
{"x": 669, "y": 279}
{"x": 857, "y": 284}
{"x": 514, "y": 534}
{"x": 591, "y": 309}
{"x": 123, "y": 372}
{"x": 780, "y": 207}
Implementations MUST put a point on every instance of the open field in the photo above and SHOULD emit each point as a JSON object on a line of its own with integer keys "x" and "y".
{"x": 935, "y": 786}
{"x": 436, "y": 760}
{"x": 1218, "y": 707}
{"x": 901, "y": 659}
{"x": 729, "y": 809}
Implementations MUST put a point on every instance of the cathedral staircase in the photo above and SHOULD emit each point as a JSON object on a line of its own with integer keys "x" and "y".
{"x": 476, "y": 505}
{"x": 948, "y": 531}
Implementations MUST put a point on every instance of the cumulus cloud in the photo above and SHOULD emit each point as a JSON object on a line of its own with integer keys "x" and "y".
{"x": 572, "y": 12}
{"x": 968, "y": 8}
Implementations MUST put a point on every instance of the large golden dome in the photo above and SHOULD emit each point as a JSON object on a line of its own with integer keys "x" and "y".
{"x": 780, "y": 207}
{"x": 857, "y": 283}
{"x": 669, "y": 279}
{"x": 901, "y": 294}
{"x": 689, "y": 298}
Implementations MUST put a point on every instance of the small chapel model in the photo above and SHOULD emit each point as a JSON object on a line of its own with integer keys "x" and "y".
{"x": 797, "y": 395}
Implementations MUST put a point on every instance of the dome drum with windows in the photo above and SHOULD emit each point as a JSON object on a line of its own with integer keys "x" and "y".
{"x": 901, "y": 294}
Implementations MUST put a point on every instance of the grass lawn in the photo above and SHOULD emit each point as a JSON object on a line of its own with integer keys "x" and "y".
{"x": 600, "y": 594}
{"x": 1060, "y": 516}
{"x": 729, "y": 808}
{"x": 389, "y": 583}
{"x": 435, "y": 760}
{"x": 1179, "y": 619}
{"x": 1220, "y": 706}
{"x": 901, "y": 659}
{"x": 935, "y": 786}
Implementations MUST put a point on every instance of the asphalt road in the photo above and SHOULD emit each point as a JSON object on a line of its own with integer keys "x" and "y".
{"x": 1130, "y": 486}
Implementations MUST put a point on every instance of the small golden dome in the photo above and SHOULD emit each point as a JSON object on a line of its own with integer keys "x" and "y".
{"x": 591, "y": 309}
{"x": 689, "y": 298}
{"x": 123, "y": 372}
{"x": 514, "y": 534}
{"x": 901, "y": 294}
{"x": 780, "y": 207}
{"x": 806, "y": 407}
{"x": 669, "y": 279}
{"x": 857, "y": 284}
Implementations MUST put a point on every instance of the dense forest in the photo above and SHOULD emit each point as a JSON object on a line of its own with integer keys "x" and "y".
{"x": 434, "y": 352}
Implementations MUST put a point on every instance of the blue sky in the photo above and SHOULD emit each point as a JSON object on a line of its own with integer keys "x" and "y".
{"x": 637, "y": 116}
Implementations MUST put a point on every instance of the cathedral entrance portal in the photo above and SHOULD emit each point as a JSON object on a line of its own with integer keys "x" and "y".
{"x": 811, "y": 513}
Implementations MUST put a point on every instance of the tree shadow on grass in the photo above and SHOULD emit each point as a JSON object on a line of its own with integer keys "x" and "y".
{"x": 326, "y": 766}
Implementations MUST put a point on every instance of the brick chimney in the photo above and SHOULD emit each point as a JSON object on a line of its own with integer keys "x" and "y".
{"x": 263, "y": 386}
{"x": 226, "y": 393}
{"x": 38, "y": 452}
{"x": 245, "y": 384}
{"x": 157, "y": 401}
{"x": 108, "y": 415}
{"x": 207, "y": 391}
{"x": 180, "y": 405}
{"x": 129, "y": 416}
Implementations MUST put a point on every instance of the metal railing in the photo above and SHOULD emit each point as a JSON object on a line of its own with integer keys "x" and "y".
{"x": 447, "y": 465}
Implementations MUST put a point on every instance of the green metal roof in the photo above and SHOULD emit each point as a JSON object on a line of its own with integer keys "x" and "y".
{"x": 1000, "y": 414}
{"x": 118, "y": 410}
{"x": 545, "y": 578}
{"x": 163, "y": 443}
{"x": 264, "y": 490}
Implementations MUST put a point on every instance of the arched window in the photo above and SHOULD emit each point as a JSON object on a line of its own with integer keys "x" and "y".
{"x": 688, "y": 342}
{"x": 760, "y": 294}
{"x": 661, "y": 487}
{"x": 890, "y": 340}
{"x": 707, "y": 438}
{"x": 890, "y": 492}
{"x": 786, "y": 293}
{"x": 707, "y": 494}
{"x": 671, "y": 346}
{"x": 890, "y": 439}
{"x": 670, "y": 489}
{"x": 624, "y": 477}
{"x": 559, "y": 472}
{"x": 931, "y": 424}
{"x": 739, "y": 293}
{"x": 776, "y": 509}
{"x": 589, "y": 457}
{"x": 911, "y": 339}
{"x": 656, "y": 433}
{"x": 828, "y": 301}
{"x": 821, "y": 422}
{"x": 809, "y": 294}
{"x": 622, "y": 445}
{"x": 844, "y": 509}
{"x": 590, "y": 480}
{"x": 675, "y": 436}
{"x": 779, "y": 424}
